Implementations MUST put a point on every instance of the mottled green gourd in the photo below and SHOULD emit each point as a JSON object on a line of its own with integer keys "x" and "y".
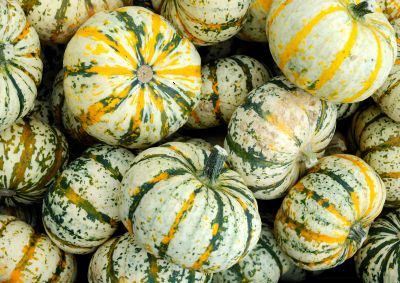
{"x": 378, "y": 260}
{"x": 20, "y": 64}
{"x": 121, "y": 259}
{"x": 29, "y": 257}
{"x": 205, "y": 22}
{"x": 189, "y": 208}
{"x": 80, "y": 211}
{"x": 346, "y": 110}
{"x": 254, "y": 27}
{"x": 31, "y": 154}
{"x": 130, "y": 78}
{"x": 276, "y": 134}
{"x": 325, "y": 217}
{"x": 226, "y": 84}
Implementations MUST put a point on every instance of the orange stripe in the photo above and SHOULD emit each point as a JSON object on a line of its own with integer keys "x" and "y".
{"x": 356, "y": 203}
{"x": 265, "y": 4}
{"x": 282, "y": 127}
{"x": 151, "y": 46}
{"x": 203, "y": 258}
{"x": 24, "y": 33}
{"x": 110, "y": 71}
{"x": 278, "y": 11}
{"x": 394, "y": 175}
{"x": 326, "y": 261}
{"x": 187, "y": 71}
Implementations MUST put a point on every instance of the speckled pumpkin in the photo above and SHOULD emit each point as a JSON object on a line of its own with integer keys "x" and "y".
{"x": 20, "y": 64}
{"x": 325, "y": 217}
{"x": 57, "y": 20}
{"x": 131, "y": 79}
{"x": 205, "y": 22}
{"x": 121, "y": 259}
{"x": 31, "y": 154}
{"x": 275, "y": 134}
{"x": 41, "y": 110}
{"x": 378, "y": 140}
{"x": 264, "y": 264}
{"x": 226, "y": 84}
{"x": 29, "y": 257}
{"x": 378, "y": 260}
{"x": 188, "y": 209}
{"x": 346, "y": 110}
{"x": 391, "y": 8}
{"x": 340, "y": 51}
{"x": 80, "y": 211}
{"x": 254, "y": 28}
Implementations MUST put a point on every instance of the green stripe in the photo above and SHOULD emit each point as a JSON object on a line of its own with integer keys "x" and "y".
{"x": 20, "y": 95}
{"x": 246, "y": 70}
{"x": 62, "y": 263}
{"x": 215, "y": 97}
{"x": 152, "y": 275}
{"x": 265, "y": 244}
{"x": 322, "y": 116}
{"x": 387, "y": 145}
{"x": 114, "y": 172}
{"x": 110, "y": 272}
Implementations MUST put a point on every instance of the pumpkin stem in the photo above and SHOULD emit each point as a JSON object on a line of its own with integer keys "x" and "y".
{"x": 215, "y": 163}
{"x": 309, "y": 157}
{"x": 7, "y": 193}
{"x": 357, "y": 233}
{"x": 361, "y": 9}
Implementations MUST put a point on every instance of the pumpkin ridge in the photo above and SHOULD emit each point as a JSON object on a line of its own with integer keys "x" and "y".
{"x": 153, "y": 269}
{"x": 62, "y": 263}
{"x": 111, "y": 277}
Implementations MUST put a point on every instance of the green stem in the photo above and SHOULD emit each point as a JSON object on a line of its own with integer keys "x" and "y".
{"x": 7, "y": 193}
{"x": 357, "y": 233}
{"x": 215, "y": 163}
{"x": 2, "y": 56}
{"x": 361, "y": 9}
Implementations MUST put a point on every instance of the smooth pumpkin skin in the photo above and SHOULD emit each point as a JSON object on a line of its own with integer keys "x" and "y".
{"x": 80, "y": 211}
{"x": 31, "y": 154}
{"x": 121, "y": 259}
{"x": 226, "y": 84}
{"x": 254, "y": 27}
{"x": 275, "y": 134}
{"x": 391, "y": 8}
{"x": 177, "y": 214}
{"x": 378, "y": 260}
{"x": 29, "y": 257}
{"x": 346, "y": 110}
{"x": 20, "y": 64}
{"x": 205, "y": 22}
{"x": 325, "y": 217}
{"x": 146, "y": 77}
{"x": 57, "y": 20}
{"x": 328, "y": 51}
{"x": 377, "y": 139}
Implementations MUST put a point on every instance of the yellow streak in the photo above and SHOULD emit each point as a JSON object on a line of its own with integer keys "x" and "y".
{"x": 278, "y": 11}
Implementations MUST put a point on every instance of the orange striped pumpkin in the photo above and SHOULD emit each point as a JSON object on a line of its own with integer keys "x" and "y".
{"x": 325, "y": 217}
{"x": 254, "y": 28}
{"x": 340, "y": 51}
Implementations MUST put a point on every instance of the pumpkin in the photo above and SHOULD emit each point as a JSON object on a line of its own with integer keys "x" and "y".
{"x": 338, "y": 144}
{"x": 275, "y": 134}
{"x": 226, "y": 84}
{"x": 388, "y": 96}
{"x": 41, "y": 110}
{"x": 325, "y": 217}
{"x": 188, "y": 208}
{"x": 130, "y": 79}
{"x": 205, "y": 22}
{"x": 80, "y": 211}
{"x": 20, "y": 64}
{"x": 346, "y": 110}
{"x": 29, "y": 257}
{"x": 57, "y": 20}
{"x": 121, "y": 259}
{"x": 378, "y": 260}
{"x": 254, "y": 28}
{"x": 265, "y": 263}
{"x": 340, "y": 51}
{"x": 378, "y": 140}
{"x": 27, "y": 214}
{"x": 391, "y": 8}
{"x": 31, "y": 155}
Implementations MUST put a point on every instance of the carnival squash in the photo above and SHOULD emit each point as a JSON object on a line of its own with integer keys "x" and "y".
{"x": 254, "y": 27}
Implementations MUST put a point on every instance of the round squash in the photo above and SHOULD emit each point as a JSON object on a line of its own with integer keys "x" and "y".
{"x": 226, "y": 84}
{"x": 57, "y": 20}
{"x": 31, "y": 154}
{"x": 340, "y": 51}
{"x": 378, "y": 260}
{"x": 254, "y": 28}
{"x": 121, "y": 259}
{"x": 188, "y": 209}
{"x": 29, "y": 257}
{"x": 378, "y": 140}
{"x": 325, "y": 217}
{"x": 205, "y": 22}
{"x": 131, "y": 79}
{"x": 20, "y": 64}
{"x": 80, "y": 211}
{"x": 275, "y": 134}
{"x": 346, "y": 110}
{"x": 391, "y": 8}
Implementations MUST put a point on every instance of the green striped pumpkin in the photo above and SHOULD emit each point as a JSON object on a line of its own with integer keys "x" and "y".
{"x": 340, "y": 51}
{"x": 254, "y": 28}
{"x": 226, "y": 84}
{"x": 121, "y": 259}
{"x": 57, "y": 20}
{"x": 31, "y": 154}
{"x": 346, "y": 110}
{"x": 41, "y": 110}
{"x": 29, "y": 257}
{"x": 20, "y": 64}
{"x": 325, "y": 217}
{"x": 130, "y": 78}
{"x": 188, "y": 209}
{"x": 391, "y": 8}
{"x": 275, "y": 134}
{"x": 80, "y": 211}
{"x": 205, "y": 22}
{"x": 266, "y": 263}
{"x": 379, "y": 259}
{"x": 378, "y": 140}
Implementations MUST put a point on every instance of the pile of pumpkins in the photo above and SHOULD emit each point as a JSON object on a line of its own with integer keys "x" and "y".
{"x": 158, "y": 161}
